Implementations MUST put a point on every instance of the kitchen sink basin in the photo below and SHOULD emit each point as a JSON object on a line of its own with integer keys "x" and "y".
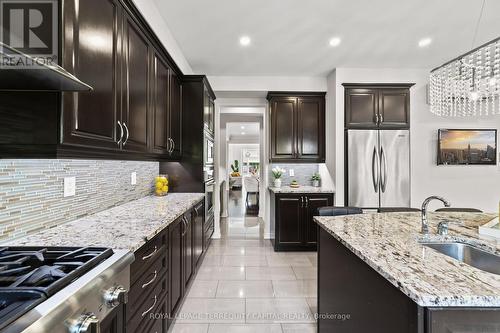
{"x": 468, "y": 254}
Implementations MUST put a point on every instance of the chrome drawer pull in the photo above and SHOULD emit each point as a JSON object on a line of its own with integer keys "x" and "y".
{"x": 151, "y": 254}
{"x": 151, "y": 281}
{"x": 151, "y": 308}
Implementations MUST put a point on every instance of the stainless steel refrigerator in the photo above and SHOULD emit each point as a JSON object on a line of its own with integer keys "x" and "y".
{"x": 378, "y": 168}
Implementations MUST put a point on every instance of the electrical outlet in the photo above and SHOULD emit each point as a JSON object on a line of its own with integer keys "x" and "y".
{"x": 133, "y": 178}
{"x": 291, "y": 172}
{"x": 69, "y": 186}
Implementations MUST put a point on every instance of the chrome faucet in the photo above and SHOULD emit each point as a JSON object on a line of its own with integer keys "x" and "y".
{"x": 425, "y": 225}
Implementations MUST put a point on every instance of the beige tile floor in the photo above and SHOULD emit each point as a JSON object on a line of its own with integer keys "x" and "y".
{"x": 244, "y": 286}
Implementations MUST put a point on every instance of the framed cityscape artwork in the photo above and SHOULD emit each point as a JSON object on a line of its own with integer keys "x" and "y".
{"x": 467, "y": 147}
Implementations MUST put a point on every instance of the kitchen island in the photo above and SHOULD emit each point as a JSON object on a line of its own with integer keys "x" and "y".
{"x": 375, "y": 275}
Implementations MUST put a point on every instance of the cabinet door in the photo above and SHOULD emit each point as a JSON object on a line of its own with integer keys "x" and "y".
{"x": 160, "y": 103}
{"x": 176, "y": 258}
{"x": 175, "y": 115}
{"x": 394, "y": 107}
{"x": 311, "y": 129}
{"x": 289, "y": 230}
{"x": 136, "y": 85}
{"x": 91, "y": 52}
{"x": 188, "y": 249}
{"x": 114, "y": 322}
{"x": 283, "y": 128}
{"x": 198, "y": 214}
{"x": 467, "y": 320}
{"x": 361, "y": 107}
{"x": 312, "y": 205}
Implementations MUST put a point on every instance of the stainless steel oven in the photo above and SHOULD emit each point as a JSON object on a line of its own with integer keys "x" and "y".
{"x": 209, "y": 199}
{"x": 209, "y": 153}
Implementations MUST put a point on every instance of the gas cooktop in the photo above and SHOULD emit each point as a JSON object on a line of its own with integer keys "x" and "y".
{"x": 30, "y": 275}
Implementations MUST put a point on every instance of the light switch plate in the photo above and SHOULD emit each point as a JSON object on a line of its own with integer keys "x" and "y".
{"x": 133, "y": 178}
{"x": 291, "y": 172}
{"x": 69, "y": 186}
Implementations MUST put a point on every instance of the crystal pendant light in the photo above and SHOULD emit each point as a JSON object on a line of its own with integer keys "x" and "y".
{"x": 468, "y": 85}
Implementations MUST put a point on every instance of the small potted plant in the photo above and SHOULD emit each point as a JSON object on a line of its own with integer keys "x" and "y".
{"x": 277, "y": 173}
{"x": 316, "y": 178}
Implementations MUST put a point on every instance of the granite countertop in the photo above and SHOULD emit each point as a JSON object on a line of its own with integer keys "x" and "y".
{"x": 301, "y": 189}
{"x": 127, "y": 226}
{"x": 389, "y": 243}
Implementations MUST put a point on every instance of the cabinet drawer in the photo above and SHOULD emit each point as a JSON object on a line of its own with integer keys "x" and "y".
{"x": 149, "y": 306}
{"x": 147, "y": 281}
{"x": 147, "y": 254}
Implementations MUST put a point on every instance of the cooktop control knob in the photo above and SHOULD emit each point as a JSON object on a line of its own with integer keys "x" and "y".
{"x": 87, "y": 323}
{"x": 115, "y": 296}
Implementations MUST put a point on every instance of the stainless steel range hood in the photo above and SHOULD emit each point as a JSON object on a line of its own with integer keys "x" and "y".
{"x": 21, "y": 72}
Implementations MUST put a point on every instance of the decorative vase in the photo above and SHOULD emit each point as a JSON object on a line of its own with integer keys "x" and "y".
{"x": 277, "y": 183}
{"x": 316, "y": 183}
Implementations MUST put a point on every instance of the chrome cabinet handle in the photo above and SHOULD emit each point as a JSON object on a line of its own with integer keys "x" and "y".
{"x": 150, "y": 281}
{"x": 126, "y": 139}
{"x": 121, "y": 133}
{"x": 151, "y": 254}
{"x": 383, "y": 175}
{"x": 375, "y": 170}
{"x": 376, "y": 118}
{"x": 307, "y": 201}
{"x": 151, "y": 308}
{"x": 173, "y": 145}
{"x": 381, "y": 118}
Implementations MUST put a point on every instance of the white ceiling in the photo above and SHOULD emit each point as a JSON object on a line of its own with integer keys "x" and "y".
{"x": 235, "y": 130}
{"x": 291, "y": 37}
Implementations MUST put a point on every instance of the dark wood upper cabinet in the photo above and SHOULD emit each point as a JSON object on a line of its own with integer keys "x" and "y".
{"x": 208, "y": 110}
{"x": 297, "y": 127}
{"x": 311, "y": 128}
{"x": 362, "y": 106}
{"x": 160, "y": 102}
{"x": 394, "y": 107}
{"x": 136, "y": 87}
{"x": 134, "y": 110}
{"x": 90, "y": 118}
{"x": 175, "y": 116}
{"x": 377, "y": 105}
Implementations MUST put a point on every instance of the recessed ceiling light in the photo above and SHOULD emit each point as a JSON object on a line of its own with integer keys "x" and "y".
{"x": 424, "y": 42}
{"x": 335, "y": 41}
{"x": 242, "y": 127}
{"x": 242, "y": 133}
{"x": 245, "y": 40}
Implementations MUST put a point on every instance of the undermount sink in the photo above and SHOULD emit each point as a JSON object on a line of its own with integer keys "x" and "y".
{"x": 468, "y": 254}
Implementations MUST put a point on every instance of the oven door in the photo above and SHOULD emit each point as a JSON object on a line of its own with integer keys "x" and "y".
{"x": 209, "y": 151}
{"x": 209, "y": 199}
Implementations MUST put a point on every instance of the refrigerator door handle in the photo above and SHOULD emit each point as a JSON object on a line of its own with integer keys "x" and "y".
{"x": 383, "y": 167}
{"x": 375, "y": 170}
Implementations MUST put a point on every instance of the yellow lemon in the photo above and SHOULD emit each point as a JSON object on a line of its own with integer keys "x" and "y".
{"x": 163, "y": 179}
{"x": 157, "y": 179}
{"x": 165, "y": 189}
{"x": 159, "y": 192}
{"x": 159, "y": 185}
{"x": 166, "y": 181}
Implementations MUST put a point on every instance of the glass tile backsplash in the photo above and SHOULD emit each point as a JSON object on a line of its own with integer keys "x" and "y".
{"x": 31, "y": 191}
{"x": 302, "y": 173}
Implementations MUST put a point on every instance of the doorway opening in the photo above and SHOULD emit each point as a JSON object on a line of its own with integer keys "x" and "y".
{"x": 243, "y": 164}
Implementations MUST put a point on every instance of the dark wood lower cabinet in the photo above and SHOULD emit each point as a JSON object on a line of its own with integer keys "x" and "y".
{"x": 292, "y": 224}
{"x": 176, "y": 258}
{"x": 162, "y": 272}
{"x": 114, "y": 322}
{"x": 353, "y": 297}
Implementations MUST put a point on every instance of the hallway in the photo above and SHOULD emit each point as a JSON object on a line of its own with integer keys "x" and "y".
{"x": 244, "y": 286}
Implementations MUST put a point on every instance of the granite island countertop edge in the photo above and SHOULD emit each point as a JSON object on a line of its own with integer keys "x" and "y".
{"x": 414, "y": 286}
